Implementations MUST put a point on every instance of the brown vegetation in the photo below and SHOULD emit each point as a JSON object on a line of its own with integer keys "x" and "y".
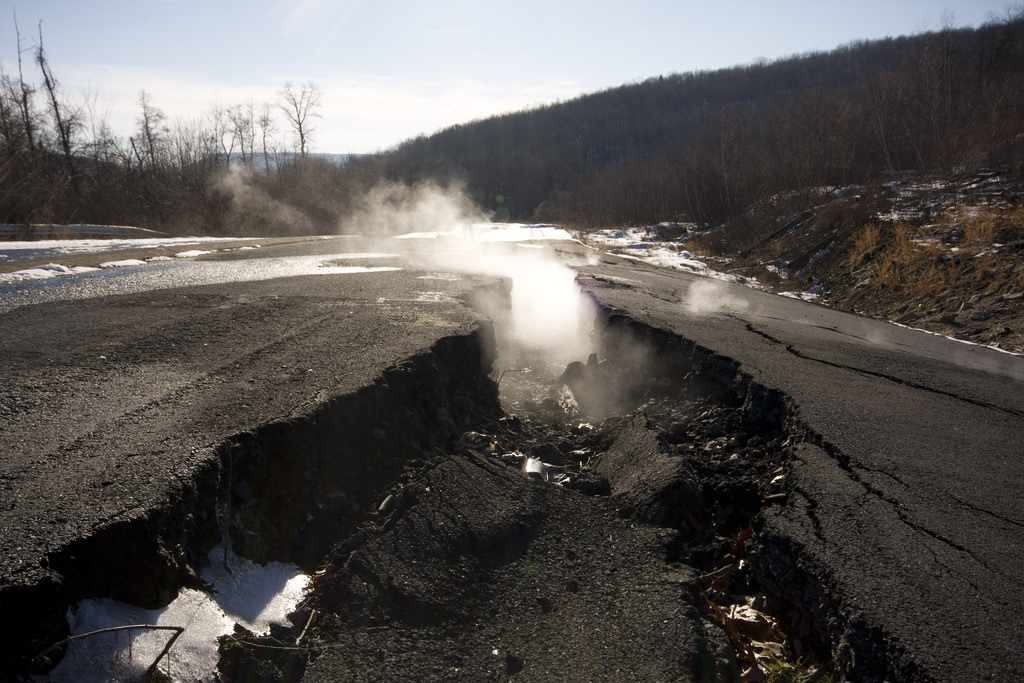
{"x": 974, "y": 249}
{"x": 954, "y": 264}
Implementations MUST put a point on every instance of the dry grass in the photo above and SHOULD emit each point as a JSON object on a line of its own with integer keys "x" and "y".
{"x": 899, "y": 260}
{"x": 985, "y": 226}
{"x": 864, "y": 244}
{"x": 992, "y": 268}
{"x": 981, "y": 256}
{"x": 979, "y": 228}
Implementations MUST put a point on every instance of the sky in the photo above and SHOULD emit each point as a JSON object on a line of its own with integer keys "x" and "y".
{"x": 389, "y": 70}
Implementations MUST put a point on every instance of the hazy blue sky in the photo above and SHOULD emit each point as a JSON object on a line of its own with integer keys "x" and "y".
{"x": 392, "y": 69}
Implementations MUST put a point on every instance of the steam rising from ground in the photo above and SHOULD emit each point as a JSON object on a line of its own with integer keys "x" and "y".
{"x": 705, "y": 297}
{"x": 254, "y": 208}
{"x": 544, "y": 310}
{"x": 393, "y": 208}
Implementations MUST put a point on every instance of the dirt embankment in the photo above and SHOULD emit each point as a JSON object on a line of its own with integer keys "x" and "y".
{"x": 942, "y": 255}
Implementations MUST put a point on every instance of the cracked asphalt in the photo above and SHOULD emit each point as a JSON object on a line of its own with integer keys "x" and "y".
{"x": 905, "y": 521}
{"x": 903, "y": 530}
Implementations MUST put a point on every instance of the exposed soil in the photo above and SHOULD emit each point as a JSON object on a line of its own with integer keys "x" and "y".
{"x": 948, "y": 256}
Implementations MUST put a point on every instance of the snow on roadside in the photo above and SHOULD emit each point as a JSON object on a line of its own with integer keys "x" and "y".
{"x": 12, "y": 252}
{"x": 254, "y": 596}
{"x": 123, "y": 264}
{"x": 44, "y": 272}
{"x": 639, "y": 243}
{"x": 195, "y": 252}
{"x": 642, "y": 244}
{"x": 36, "y": 249}
{"x": 954, "y": 338}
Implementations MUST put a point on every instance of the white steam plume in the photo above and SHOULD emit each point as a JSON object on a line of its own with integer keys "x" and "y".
{"x": 547, "y": 312}
{"x": 255, "y": 209}
{"x": 392, "y": 208}
{"x": 705, "y": 297}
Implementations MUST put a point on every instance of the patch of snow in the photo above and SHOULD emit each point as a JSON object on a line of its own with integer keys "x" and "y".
{"x": 252, "y": 595}
{"x": 451, "y": 277}
{"x": 123, "y": 264}
{"x": 518, "y": 232}
{"x": 812, "y": 294}
{"x": 39, "y": 249}
{"x": 432, "y": 297}
{"x": 44, "y": 272}
{"x": 814, "y": 259}
{"x": 956, "y": 339}
{"x": 693, "y": 265}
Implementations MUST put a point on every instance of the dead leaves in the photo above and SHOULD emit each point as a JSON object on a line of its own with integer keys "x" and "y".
{"x": 753, "y": 633}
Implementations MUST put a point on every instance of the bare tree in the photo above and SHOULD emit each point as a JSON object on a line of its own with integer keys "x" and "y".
{"x": 101, "y": 142}
{"x": 265, "y": 121}
{"x": 152, "y": 123}
{"x": 242, "y": 119}
{"x": 222, "y": 132}
{"x": 299, "y": 104}
{"x": 65, "y": 120}
{"x": 26, "y": 91}
{"x": 12, "y": 136}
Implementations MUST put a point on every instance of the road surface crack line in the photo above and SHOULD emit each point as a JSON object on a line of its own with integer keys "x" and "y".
{"x": 881, "y": 375}
{"x": 843, "y": 462}
{"x": 983, "y": 511}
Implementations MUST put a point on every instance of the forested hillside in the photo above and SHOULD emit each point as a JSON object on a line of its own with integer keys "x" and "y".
{"x": 704, "y": 147}
{"x": 700, "y": 148}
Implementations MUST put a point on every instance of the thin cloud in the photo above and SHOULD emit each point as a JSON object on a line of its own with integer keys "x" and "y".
{"x": 358, "y": 115}
{"x": 316, "y": 21}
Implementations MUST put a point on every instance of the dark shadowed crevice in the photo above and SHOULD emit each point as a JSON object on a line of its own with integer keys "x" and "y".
{"x": 286, "y": 491}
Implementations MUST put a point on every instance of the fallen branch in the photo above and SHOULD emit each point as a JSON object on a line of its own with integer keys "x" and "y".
{"x": 178, "y": 630}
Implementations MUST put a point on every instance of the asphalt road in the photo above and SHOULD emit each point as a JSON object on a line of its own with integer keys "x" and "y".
{"x": 906, "y": 504}
{"x": 904, "y": 527}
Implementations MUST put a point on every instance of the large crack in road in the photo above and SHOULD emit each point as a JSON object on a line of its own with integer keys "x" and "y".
{"x": 591, "y": 521}
{"x": 477, "y": 565}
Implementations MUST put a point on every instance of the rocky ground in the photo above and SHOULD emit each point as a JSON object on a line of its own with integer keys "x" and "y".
{"x": 942, "y": 255}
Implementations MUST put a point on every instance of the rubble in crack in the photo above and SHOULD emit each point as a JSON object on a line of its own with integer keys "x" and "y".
{"x": 623, "y": 489}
